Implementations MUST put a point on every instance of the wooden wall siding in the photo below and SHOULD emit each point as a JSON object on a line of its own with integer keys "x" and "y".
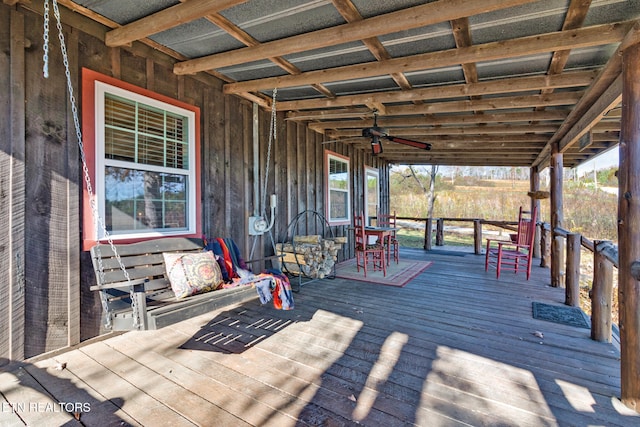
{"x": 40, "y": 216}
{"x": 12, "y": 187}
{"x": 30, "y": 147}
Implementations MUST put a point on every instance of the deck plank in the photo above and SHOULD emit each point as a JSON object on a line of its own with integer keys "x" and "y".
{"x": 456, "y": 346}
{"x": 107, "y": 391}
{"x": 25, "y": 402}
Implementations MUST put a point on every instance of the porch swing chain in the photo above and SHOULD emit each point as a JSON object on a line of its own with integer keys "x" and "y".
{"x": 272, "y": 140}
{"x": 273, "y": 137}
{"x": 85, "y": 169}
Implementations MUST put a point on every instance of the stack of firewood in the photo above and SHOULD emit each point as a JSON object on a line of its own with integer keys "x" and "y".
{"x": 312, "y": 255}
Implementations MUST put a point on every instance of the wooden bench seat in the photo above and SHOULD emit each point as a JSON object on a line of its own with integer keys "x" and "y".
{"x": 155, "y": 303}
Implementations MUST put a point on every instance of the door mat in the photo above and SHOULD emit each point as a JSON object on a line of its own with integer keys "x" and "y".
{"x": 572, "y": 316}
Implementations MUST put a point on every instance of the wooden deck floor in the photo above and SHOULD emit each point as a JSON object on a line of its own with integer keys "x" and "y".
{"x": 453, "y": 347}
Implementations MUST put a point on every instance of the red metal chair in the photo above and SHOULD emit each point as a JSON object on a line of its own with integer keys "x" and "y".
{"x": 366, "y": 252}
{"x": 392, "y": 244}
{"x": 517, "y": 255}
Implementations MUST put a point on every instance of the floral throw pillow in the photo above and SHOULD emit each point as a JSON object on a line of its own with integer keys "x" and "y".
{"x": 192, "y": 273}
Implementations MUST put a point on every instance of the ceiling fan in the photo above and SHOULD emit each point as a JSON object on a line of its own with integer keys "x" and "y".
{"x": 377, "y": 133}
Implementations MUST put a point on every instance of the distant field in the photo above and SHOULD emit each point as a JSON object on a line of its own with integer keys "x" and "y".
{"x": 589, "y": 211}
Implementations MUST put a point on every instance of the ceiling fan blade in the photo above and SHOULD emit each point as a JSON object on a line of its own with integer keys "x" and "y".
{"x": 410, "y": 142}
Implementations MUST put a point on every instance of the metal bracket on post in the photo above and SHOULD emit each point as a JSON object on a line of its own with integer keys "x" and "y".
{"x": 635, "y": 270}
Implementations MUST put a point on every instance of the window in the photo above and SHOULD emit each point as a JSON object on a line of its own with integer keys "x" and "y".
{"x": 371, "y": 192}
{"x": 338, "y": 189}
{"x": 145, "y": 170}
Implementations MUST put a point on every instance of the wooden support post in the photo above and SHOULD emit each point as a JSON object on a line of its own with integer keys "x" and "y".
{"x": 477, "y": 236}
{"x": 545, "y": 245}
{"x": 427, "y": 234}
{"x": 629, "y": 229}
{"x": 601, "y": 295}
{"x": 557, "y": 218}
{"x": 440, "y": 232}
{"x": 534, "y": 185}
{"x": 572, "y": 291}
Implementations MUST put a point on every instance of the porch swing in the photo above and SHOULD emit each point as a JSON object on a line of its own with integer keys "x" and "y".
{"x": 135, "y": 292}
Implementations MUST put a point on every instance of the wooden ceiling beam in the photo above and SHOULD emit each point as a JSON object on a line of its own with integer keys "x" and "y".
{"x": 608, "y": 100}
{"x": 508, "y": 85}
{"x": 455, "y": 147}
{"x": 457, "y": 130}
{"x": 468, "y": 151}
{"x": 401, "y": 20}
{"x": 165, "y": 19}
{"x": 349, "y": 12}
{"x": 524, "y": 46}
{"x": 462, "y": 36}
{"x": 504, "y": 140}
{"x": 443, "y": 120}
{"x": 505, "y": 102}
{"x": 576, "y": 14}
{"x": 605, "y": 79}
{"x": 489, "y": 160}
{"x": 606, "y": 137}
{"x": 394, "y": 149}
{"x": 242, "y": 36}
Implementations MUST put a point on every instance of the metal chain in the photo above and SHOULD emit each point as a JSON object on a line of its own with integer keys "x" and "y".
{"x": 272, "y": 139}
{"x": 45, "y": 44}
{"x": 92, "y": 202}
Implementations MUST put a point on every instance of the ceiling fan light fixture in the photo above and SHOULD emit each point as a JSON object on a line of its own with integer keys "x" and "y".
{"x": 376, "y": 146}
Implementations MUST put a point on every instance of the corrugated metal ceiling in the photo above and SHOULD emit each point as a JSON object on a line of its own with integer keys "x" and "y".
{"x": 258, "y": 22}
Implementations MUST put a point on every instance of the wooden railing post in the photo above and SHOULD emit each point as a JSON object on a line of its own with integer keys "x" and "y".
{"x": 558, "y": 265}
{"x": 572, "y": 290}
{"x": 427, "y": 234}
{"x": 440, "y": 232}
{"x": 601, "y": 294}
{"x": 477, "y": 236}
{"x": 545, "y": 245}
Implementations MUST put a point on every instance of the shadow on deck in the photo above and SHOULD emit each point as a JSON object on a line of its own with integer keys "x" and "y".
{"x": 453, "y": 347}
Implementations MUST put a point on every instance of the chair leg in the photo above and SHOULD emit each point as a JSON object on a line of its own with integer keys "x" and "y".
{"x": 383, "y": 264}
{"x": 486, "y": 258}
{"x": 366, "y": 261}
{"x": 396, "y": 248}
{"x": 384, "y": 269}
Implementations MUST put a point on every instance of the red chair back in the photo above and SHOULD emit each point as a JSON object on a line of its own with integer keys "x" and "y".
{"x": 387, "y": 220}
{"x": 526, "y": 228}
{"x": 358, "y": 225}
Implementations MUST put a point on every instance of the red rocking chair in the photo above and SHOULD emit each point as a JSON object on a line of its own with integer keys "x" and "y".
{"x": 366, "y": 252}
{"x": 513, "y": 255}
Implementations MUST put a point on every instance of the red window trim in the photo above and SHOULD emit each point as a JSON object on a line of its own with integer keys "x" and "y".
{"x": 89, "y": 77}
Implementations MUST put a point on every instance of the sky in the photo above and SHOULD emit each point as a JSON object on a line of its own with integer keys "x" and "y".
{"x": 603, "y": 161}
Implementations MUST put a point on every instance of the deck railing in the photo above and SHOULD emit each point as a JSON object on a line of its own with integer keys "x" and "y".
{"x": 605, "y": 258}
